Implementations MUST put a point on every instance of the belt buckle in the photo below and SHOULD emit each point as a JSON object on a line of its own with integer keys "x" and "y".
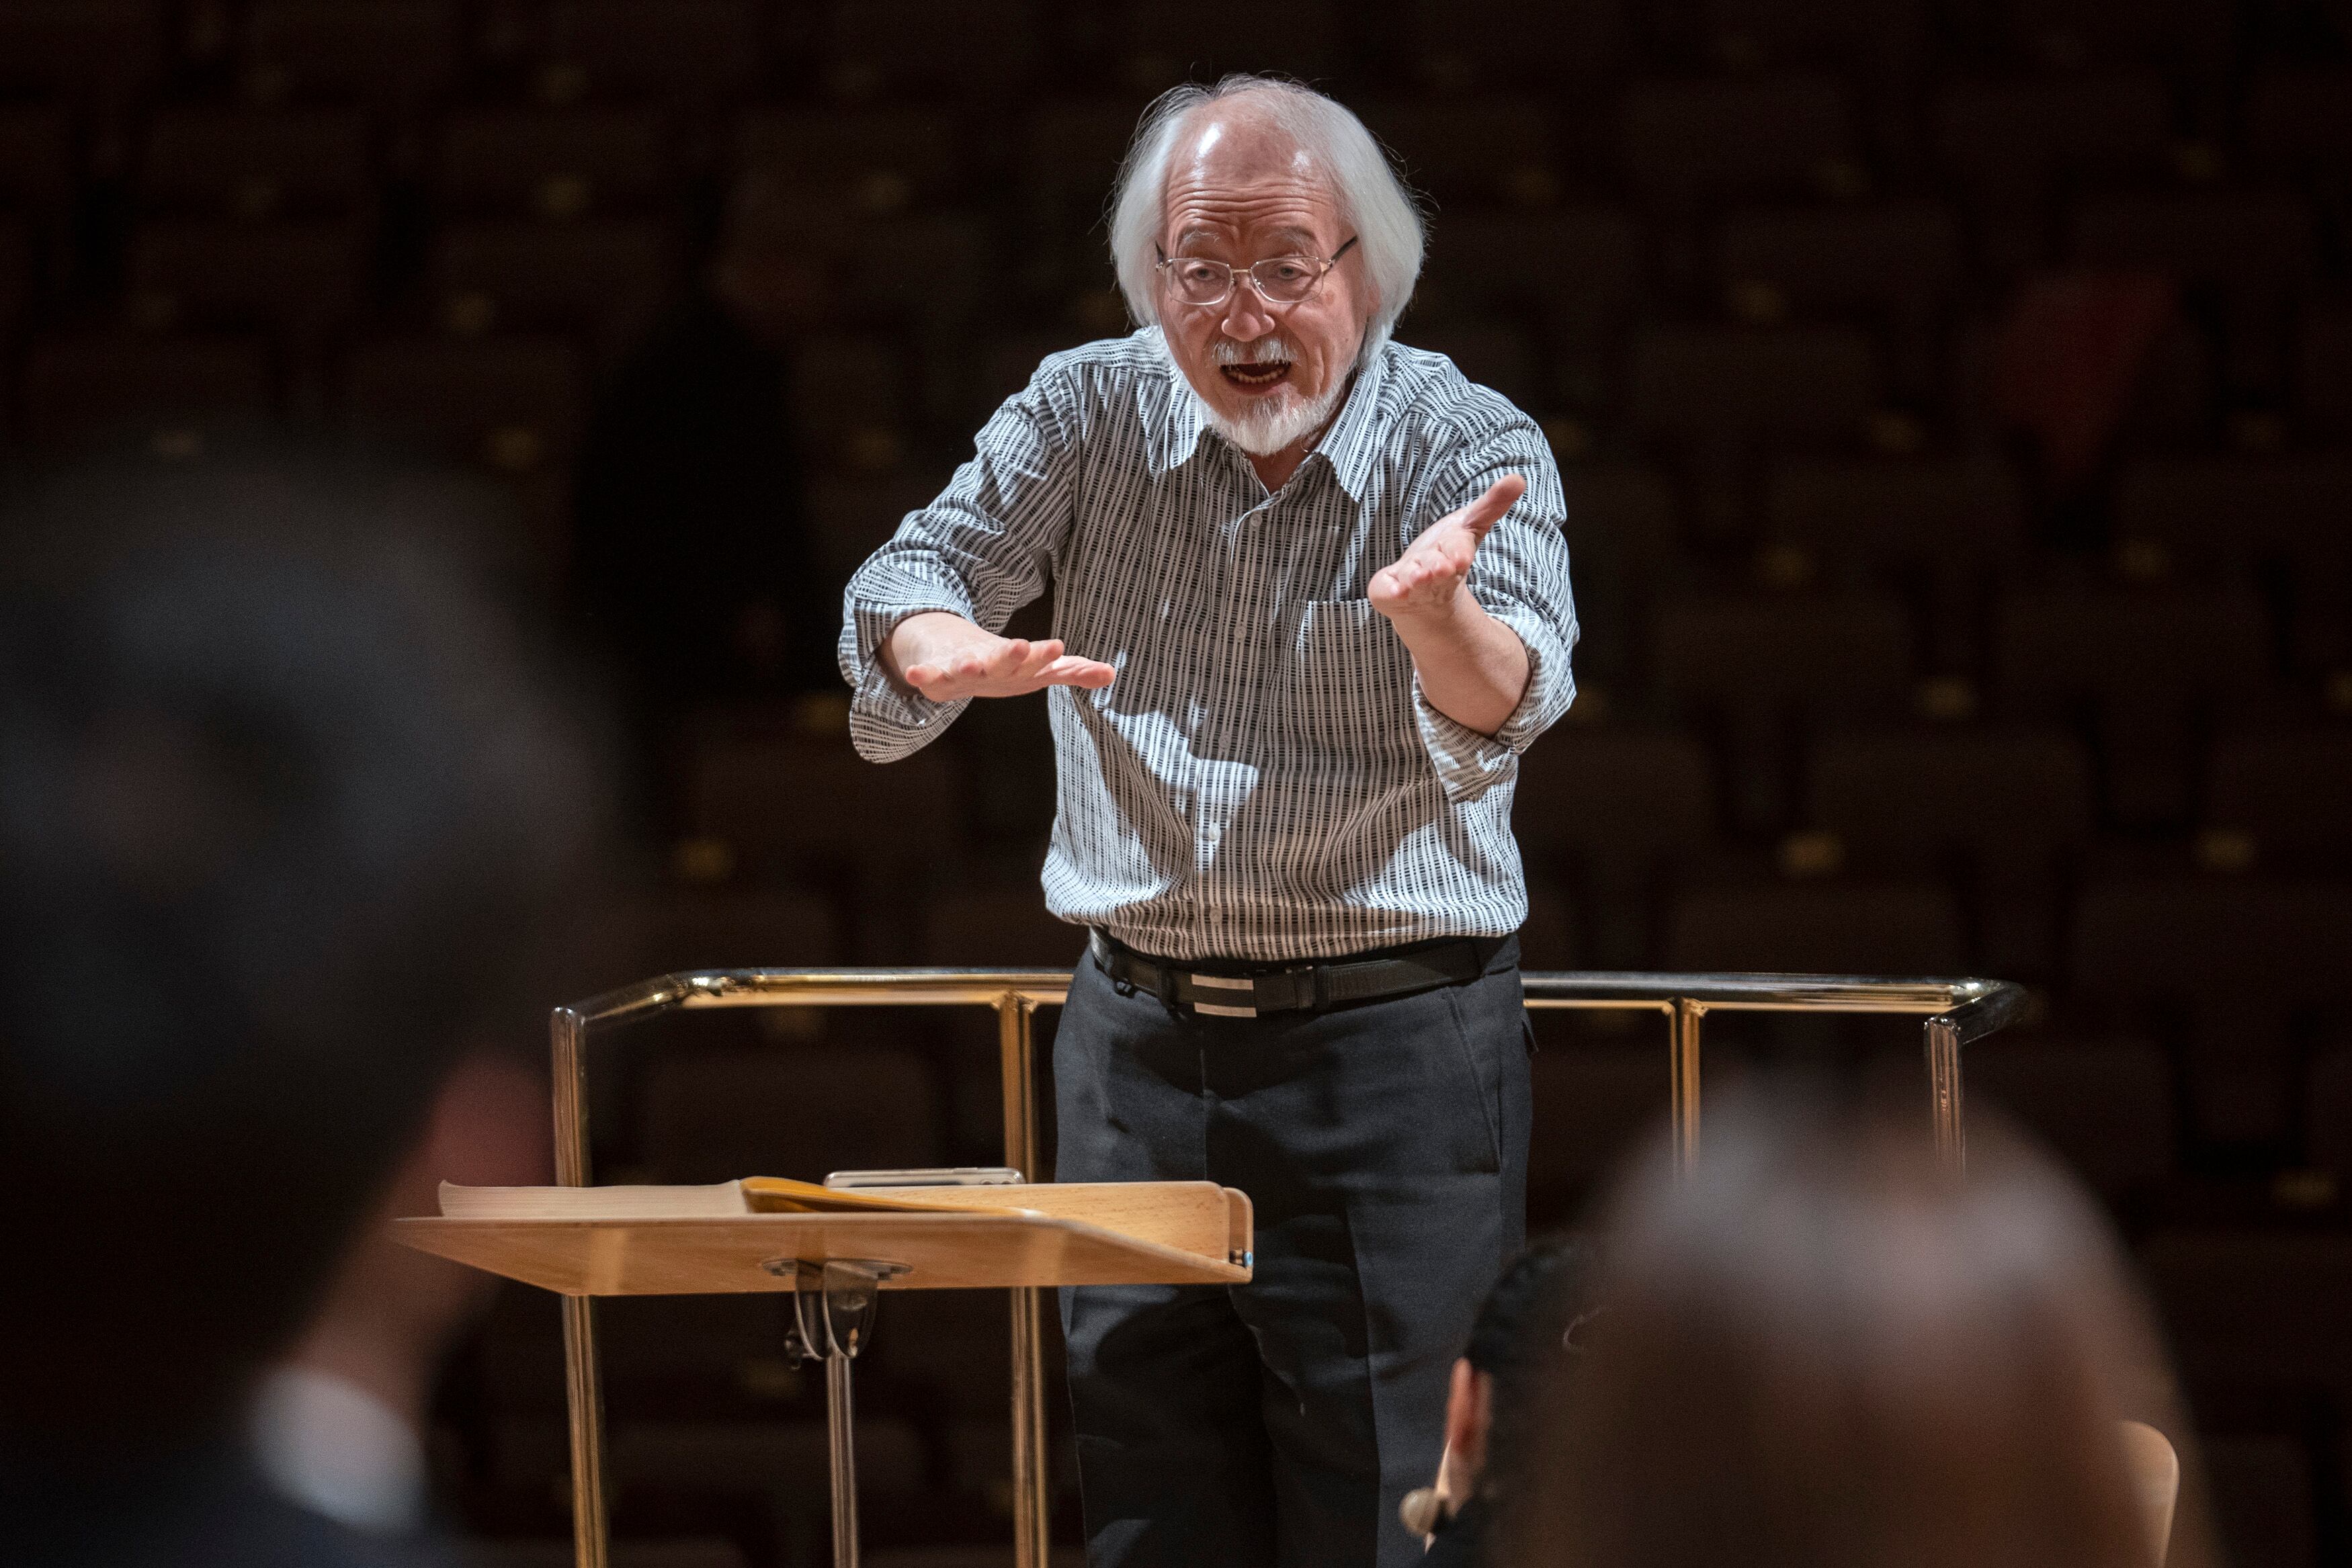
{"x": 1225, "y": 983}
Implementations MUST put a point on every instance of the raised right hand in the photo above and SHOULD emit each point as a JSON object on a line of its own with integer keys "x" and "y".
{"x": 945, "y": 657}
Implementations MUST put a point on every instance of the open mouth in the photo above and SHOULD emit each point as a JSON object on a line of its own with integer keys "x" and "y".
{"x": 1258, "y": 377}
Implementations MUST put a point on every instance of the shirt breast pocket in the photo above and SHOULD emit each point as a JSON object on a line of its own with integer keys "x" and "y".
{"x": 1346, "y": 682}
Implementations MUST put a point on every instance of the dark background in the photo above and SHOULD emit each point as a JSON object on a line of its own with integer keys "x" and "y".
{"x": 1956, "y": 407}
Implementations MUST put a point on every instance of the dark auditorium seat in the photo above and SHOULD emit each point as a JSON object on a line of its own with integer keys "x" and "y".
{"x": 691, "y": 51}
{"x": 1574, "y": 270}
{"x": 2230, "y": 966}
{"x": 996, "y": 917}
{"x": 2239, "y": 241}
{"x": 851, "y": 399}
{"x": 882, "y": 158}
{"x": 2323, "y": 371}
{"x": 1614, "y": 796}
{"x": 36, "y": 161}
{"x": 172, "y": 391}
{"x": 925, "y": 271}
{"x": 1594, "y": 1104}
{"x": 608, "y": 278}
{"x": 2264, "y": 1498}
{"x": 2013, "y": 142}
{"x": 2231, "y": 511}
{"x": 16, "y": 276}
{"x": 1615, "y": 810}
{"x": 947, "y": 1354}
{"x": 1685, "y": 142}
{"x": 2256, "y": 1309}
{"x": 1488, "y": 149}
{"x": 1624, "y": 546}
{"x": 1159, "y": 45}
{"x": 1489, "y": 353}
{"x": 779, "y": 801}
{"x": 2191, "y": 35}
{"x": 2104, "y": 1105}
{"x": 2298, "y": 120}
{"x": 1878, "y": 38}
{"x": 1847, "y": 652}
{"x": 1765, "y": 668}
{"x": 850, "y": 515}
{"x": 1956, "y": 514}
{"x": 1552, "y": 936}
{"x": 2327, "y": 1114}
{"x": 301, "y": 281}
{"x": 2012, "y": 799}
{"x": 1897, "y": 260}
{"x": 780, "y": 1466}
{"x": 94, "y": 54}
{"x": 1897, "y": 927}
{"x": 1537, "y": 44}
{"x": 557, "y": 164}
{"x": 725, "y": 927}
{"x": 2146, "y": 664}
{"x": 2011, "y": 809}
{"x": 670, "y": 1356}
{"x": 917, "y": 47}
{"x": 256, "y": 164}
{"x": 513, "y": 407}
{"x": 715, "y": 1114}
{"x": 1719, "y": 386}
{"x": 391, "y": 54}
{"x": 2289, "y": 791}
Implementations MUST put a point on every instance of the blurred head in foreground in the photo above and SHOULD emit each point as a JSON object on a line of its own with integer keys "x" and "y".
{"x": 1823, "y": 1350}
{"x": 283, "y": 794}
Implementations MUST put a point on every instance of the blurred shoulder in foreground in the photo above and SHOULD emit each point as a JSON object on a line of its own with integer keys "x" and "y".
{"x": 286, "y": 792}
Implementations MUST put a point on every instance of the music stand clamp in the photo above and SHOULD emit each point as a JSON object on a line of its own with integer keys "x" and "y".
{"x": 834, "y": 1304}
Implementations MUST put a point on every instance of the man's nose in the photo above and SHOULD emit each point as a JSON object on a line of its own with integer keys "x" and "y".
{"x": 1246, "y": 319}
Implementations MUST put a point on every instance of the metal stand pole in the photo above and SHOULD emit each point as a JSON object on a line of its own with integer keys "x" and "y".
{"x": 582, "y": 1385}
{"x": 1031, "y": 1504}
{"x": 1683, "y": 1094}
{"x": 1944, "y": 1094}
{"x": 841, "y": 1446}
{"x": 833, "y": 1316}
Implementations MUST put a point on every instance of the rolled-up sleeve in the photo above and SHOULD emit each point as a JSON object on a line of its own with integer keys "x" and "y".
{"x": 1520, "y": 578}
{"x": 983, "y": 550}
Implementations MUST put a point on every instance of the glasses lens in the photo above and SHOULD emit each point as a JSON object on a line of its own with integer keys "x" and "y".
{"x": 1200, "y": 282}
{"x": 1285, "y": 279}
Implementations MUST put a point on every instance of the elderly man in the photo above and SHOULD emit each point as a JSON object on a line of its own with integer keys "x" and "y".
{"x": 1311, "y": 603}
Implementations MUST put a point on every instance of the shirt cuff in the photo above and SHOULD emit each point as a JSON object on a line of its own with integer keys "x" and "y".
{"x": 1470, "y": 763}
{"x": 886, "y": 721}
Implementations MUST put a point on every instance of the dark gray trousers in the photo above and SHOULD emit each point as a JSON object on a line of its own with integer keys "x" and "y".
{"x": 1384, "y": 1149}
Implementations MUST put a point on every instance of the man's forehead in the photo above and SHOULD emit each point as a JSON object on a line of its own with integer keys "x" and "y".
{"x": 1242, "y": 144}
{"x": 1228, "y": 176}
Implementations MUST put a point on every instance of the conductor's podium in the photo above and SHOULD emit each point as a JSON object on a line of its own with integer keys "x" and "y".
{"x": 837, "y": 1264}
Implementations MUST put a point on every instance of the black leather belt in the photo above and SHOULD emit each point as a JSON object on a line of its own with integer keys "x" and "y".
{"x": 1245, "y": 991}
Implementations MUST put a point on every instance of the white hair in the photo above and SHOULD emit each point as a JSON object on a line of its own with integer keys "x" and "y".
{"x": 1372, "y": 196}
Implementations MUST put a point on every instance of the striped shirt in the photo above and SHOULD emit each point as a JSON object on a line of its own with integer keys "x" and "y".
{"x": 1265, "y": 779}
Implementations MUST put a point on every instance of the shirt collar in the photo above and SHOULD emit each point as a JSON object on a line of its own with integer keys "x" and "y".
{"x": 1346, "y": 446}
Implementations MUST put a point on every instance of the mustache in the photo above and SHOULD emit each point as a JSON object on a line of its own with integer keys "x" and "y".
{"x": 1269, "y": 350}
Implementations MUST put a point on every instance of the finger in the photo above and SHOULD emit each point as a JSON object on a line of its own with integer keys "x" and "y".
{"x": 1007, "y": 657}
{"x": 1481, "y": 514}
{"x": 1076, "y": 672}
{"x": 1040, "y": 656}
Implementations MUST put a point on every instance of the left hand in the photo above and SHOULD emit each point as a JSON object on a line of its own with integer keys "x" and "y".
{"x": 1425, "y": 580}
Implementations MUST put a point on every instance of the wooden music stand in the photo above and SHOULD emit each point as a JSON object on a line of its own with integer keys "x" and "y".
{"x": 836, "y": 1265}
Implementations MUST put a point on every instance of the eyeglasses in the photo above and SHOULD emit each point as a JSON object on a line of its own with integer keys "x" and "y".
{"x": 1278, "y": 279}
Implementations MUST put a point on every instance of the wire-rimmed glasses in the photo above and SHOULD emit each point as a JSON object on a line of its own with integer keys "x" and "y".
{"x": 1278, "y": 279}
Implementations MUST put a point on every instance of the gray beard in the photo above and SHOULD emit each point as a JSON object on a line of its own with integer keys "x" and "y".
{"x": 1278, "y": 422}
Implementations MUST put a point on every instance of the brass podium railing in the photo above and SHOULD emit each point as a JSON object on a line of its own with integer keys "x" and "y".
{"x": 1958, "y": 1011}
